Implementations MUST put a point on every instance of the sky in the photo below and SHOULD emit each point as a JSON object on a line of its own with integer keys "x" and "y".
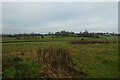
{"x": 60, "y": 0}
{"x": 44, "y": 17}
{"x": 0, "y": 18}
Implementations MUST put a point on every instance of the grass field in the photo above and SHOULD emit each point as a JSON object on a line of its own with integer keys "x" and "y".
{"x": 96, "y": 60}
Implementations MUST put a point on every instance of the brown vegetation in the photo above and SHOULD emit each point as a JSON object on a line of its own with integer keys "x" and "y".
{"x": 57, "y": 63}
{"x": 90, "y": 42}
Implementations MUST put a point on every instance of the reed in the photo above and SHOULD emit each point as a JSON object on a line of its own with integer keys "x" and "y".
{"x": 57, "y": 62}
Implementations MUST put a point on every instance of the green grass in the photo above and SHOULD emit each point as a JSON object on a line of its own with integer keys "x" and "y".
{"x": 59, "y": 39}
{"x": 14, "y": 68}
{"x": 97, "y": 60}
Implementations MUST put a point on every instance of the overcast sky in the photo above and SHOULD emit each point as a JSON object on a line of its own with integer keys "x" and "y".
{"x": 44, "y": 17}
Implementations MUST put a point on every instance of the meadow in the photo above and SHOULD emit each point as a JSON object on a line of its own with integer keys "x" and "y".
{"x": 98, "y": 60}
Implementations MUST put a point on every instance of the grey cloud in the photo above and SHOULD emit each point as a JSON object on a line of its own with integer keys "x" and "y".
{"x": 51, "y": 17}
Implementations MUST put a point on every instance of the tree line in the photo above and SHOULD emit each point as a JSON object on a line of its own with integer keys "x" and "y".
{"x": 62, "y": 33}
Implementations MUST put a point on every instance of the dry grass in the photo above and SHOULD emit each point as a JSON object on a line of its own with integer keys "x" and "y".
{"x": 90, "y": 42}
{"x": 57, "y": 62}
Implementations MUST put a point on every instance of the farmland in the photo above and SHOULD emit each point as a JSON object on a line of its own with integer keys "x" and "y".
{"x": 99, "y": 60}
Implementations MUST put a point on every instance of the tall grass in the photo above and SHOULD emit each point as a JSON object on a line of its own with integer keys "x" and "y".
{"x": 57, "y": 62}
